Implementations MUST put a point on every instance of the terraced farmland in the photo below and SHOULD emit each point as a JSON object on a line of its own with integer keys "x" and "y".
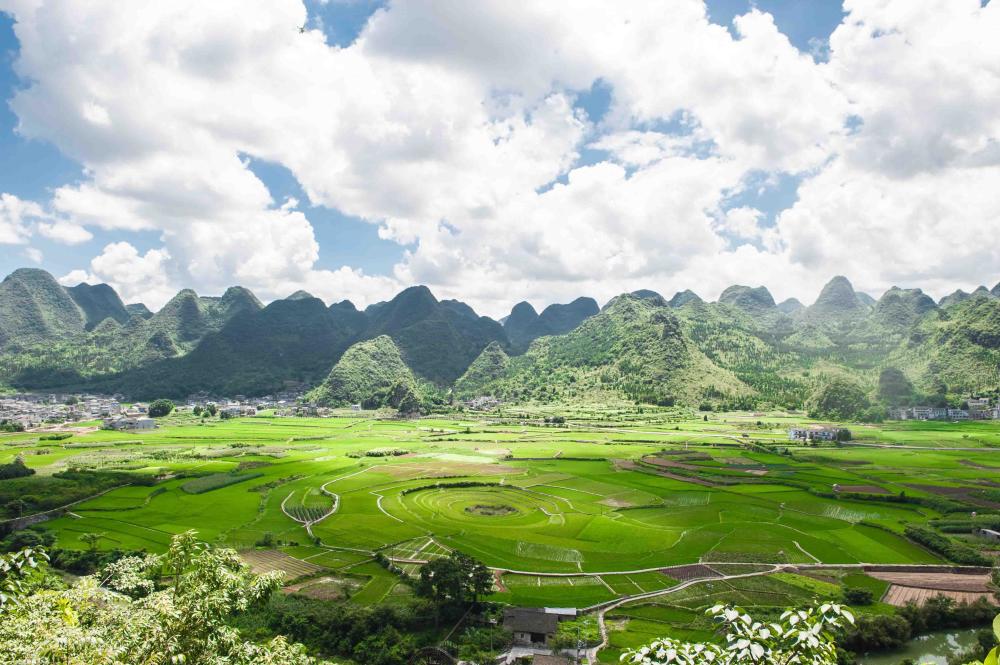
{"x": 575, "y": 515}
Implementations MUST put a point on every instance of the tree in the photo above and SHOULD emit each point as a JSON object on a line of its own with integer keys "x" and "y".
{"x": 893, "y": 387}
{"x": 123, "y": 616}
{"x": 15, "y": 507}
{"x": 91, "y": 540}
{"x": 993, "y": 657}
{"x": 196, "y": 411}
{"x": 454, "y": 580}
{"x": 211, "y": 409}
{"x": 857, "y": 596}
{"x": 804, "y": 637}
{"x": 16, "y": 469}
{"x": 160, "y": 408}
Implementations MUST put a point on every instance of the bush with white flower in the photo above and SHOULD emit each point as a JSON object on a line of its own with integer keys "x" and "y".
{"x": 158, "y": 609}
{"x": 800, "y": 637}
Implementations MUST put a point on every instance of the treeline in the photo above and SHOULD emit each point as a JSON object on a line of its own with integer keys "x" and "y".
{"x": 20, "y": 496}
{"x": 881, "y": 632}
{"x": 946, "y": 547}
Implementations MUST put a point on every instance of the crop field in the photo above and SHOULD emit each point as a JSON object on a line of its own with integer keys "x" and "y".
{"x": 610, "y": 505}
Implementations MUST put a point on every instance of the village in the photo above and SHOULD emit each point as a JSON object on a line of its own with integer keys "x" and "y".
{"x": 38, "y": 410}
{"x": 974, "y": 408}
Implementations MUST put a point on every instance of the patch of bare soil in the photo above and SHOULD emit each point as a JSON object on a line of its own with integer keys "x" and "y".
{"x": 937, "y": 581}
{"x": 899, "y": 595}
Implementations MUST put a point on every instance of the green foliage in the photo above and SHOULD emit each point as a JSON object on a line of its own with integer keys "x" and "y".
{"x": 454, "y": 580}
{"x": 371, "y": 373}
{"x": 634, "y": 347}
{"x": 216, "y": 481}
{"x": 484, "y": 371}
{"x": 857, "y": 596}
{"x": 838, "y": 398}
{"x": 894, "y": 388}
{"x": 160, "y": 408}
{"x": 582, "y": 632}
{"x": 15, "y": 469}
{"x": 10, "y": 426}
{"x": 801, "y": 636}
{"x": 127, "y": 616}
{"x": 952, "y": 550}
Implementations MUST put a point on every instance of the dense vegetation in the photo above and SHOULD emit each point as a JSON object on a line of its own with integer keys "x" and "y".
{"x": 845, "y": 356}
{"x": 170, "y": 608}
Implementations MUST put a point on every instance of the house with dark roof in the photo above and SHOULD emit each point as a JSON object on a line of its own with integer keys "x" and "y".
{"x": 532, "y": 626}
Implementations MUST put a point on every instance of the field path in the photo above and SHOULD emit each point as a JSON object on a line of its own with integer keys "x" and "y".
{"x": 603, "y": 608}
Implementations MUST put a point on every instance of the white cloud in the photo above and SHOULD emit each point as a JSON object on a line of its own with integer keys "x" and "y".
{"x": 137, "y": 277}
{"x": 64, "y": 232}
{"x": 34, "y": 254}
{"x": 16, "y": 218}
{"x": 77, "y": 276}
{"x": 452, "y": 127}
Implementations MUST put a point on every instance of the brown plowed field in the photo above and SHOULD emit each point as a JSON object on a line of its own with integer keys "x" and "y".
{"x": 937, "y": 581}
{"x": 901, "y": 595}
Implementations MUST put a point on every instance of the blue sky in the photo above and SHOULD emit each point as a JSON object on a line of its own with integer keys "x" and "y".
{"x": 458, "y": 132}
{"x": 30, "y": 169}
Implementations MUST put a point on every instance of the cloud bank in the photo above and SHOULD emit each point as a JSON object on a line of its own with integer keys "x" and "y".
{"x": 456, "y": 128}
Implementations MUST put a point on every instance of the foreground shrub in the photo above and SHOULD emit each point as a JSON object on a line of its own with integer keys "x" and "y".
{"x": 173, "y": 608}
{"x": 804, "y": 637}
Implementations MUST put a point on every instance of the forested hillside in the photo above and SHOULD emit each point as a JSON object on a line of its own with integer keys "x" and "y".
{"x": 743, "y": 351}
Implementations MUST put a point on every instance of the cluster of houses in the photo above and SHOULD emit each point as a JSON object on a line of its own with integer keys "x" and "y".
{"x": 483, "y": 403}
{"x": 819, "y": 434}
{"x": 37, "y": 409}
{"x": 977, "y": 408}
{"x": 134, "y": 417}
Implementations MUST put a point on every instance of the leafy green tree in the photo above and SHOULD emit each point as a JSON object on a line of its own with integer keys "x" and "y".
{"x": 211, "y": 409}
{"x": 160, "y": 408}
{"x": 15, "y": 507}
{"x": 16, "y": 469}
{"x": 857, "y": 596}
{"x": 454, "y": 580}
{"x": 91, "y": 540}
{"x": 993, "y": 657}
{"x": 124, "y": 617}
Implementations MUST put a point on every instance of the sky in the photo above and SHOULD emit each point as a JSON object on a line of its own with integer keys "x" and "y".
{"x": 498, "y": 151}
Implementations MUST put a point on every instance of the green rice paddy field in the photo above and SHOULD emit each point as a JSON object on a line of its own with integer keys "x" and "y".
{"x": 606, "y": 501}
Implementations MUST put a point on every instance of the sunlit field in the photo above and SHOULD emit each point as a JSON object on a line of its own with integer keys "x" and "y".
{"x": 608, "y": 498}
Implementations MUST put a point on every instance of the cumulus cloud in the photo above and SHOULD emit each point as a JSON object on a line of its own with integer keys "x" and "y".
{"x": 16, "y": 219}
{"x": 454, "y": 128}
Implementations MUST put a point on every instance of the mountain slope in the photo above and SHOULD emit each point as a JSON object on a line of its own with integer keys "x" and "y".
{"x": 437, "y": 341}
{"x": 35, "y": 308}
{"x": 838, "y": 305}
{"x": 633, "y": 348}
{"x": 524, "y": 325}
{"x": 98, "y": 302}
{"x": 255, "y": 352}
{"x": 365, "y": 373}
{"x": 490, "y": 366}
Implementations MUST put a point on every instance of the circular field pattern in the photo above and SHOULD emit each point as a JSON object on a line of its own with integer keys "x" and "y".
{"x": 495, "y": 510}
{"x": 502, "y": 506}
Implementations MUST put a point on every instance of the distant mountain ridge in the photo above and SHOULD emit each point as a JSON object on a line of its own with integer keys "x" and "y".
{"x": 743, "y": 350}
